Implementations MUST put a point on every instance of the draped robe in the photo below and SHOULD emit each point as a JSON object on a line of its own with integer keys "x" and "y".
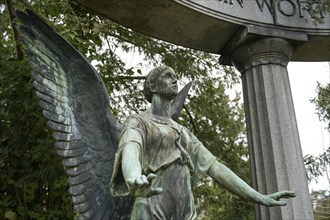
{"x": 175, "y": 155}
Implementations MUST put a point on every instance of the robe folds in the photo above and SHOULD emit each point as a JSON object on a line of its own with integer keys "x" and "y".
{"x": 174, "y": 154}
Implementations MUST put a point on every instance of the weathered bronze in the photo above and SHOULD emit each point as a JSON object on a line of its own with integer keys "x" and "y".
{"x": 157, "y": 162}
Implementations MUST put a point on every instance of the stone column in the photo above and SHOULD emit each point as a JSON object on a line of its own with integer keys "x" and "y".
{"x": 274, "y": 145}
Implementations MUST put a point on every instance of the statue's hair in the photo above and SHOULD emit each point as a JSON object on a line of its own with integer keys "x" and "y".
{"x": 150, "y": 81}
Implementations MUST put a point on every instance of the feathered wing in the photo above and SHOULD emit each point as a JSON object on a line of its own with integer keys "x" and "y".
{"x": 76, "y": 104}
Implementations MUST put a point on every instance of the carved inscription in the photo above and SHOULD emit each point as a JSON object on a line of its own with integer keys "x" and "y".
{"x": 265, "y": 3}
{"x": 314, "y": 9}
{"x": 286, "y": 7}
{"x": 240, "y": 2}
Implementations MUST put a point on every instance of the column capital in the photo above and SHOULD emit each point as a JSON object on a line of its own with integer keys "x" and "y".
{"x": 261, "y": 52}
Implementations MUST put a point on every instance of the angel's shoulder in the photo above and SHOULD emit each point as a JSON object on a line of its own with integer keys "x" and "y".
{"x": 135, "y": 120}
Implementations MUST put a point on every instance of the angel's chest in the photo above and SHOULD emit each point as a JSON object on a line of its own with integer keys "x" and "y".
{"x": 162, "y": 135}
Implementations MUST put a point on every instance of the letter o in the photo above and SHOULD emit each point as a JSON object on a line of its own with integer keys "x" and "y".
{"x": 286, "y": 7}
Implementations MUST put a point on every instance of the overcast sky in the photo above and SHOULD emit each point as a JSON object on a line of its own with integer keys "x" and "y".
{"x": 314, "y": 137}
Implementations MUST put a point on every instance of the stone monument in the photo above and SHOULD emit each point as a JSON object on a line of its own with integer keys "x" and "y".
{"x": 258, "y": 37}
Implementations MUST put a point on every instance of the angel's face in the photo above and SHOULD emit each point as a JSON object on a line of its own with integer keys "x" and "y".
{"x": 166, "y": 84}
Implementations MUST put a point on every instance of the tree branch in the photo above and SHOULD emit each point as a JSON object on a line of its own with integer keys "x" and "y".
{"x": 19, "y": 52}
{"x": 128, "y": 78}
{"x": 191, "y": 118}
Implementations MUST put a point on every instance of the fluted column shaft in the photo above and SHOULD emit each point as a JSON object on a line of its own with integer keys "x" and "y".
{"x": 274, "y": 145}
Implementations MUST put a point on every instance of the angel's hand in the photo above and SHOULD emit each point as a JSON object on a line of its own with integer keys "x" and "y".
{"x": 274, "y": 199}
{"x": 141, "y": 186}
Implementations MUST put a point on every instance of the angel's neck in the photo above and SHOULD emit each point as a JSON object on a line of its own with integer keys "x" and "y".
{"x": 161, "y": 106}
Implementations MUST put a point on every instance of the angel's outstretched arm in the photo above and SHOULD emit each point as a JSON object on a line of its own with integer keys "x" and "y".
{"x": 131, "y": 166}
{"x": 138, "y": 184}
{"x": 228, "y": 179}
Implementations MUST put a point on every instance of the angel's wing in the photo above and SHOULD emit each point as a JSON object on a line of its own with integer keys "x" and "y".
{"x": 76, "y": 104}
{"x": 177, "y": 103}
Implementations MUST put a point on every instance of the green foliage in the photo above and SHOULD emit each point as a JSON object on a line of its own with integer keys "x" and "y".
{"x": 317, "y": 165}
{"x": 322, "y": 102}
{"x": 317, "y": 9}
{"x": 33, "y": 180}
{"x": 220, "y": 126}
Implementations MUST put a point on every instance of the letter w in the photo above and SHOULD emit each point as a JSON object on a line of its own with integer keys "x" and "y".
{"x": 261, "y": 4}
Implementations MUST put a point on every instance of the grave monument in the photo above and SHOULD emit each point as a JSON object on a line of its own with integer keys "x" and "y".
{"x": 149, "y": 164}
{"x": 258, "y": 37}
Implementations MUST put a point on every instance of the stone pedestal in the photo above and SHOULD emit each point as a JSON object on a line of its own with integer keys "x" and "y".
{"x": 275, "y": 152}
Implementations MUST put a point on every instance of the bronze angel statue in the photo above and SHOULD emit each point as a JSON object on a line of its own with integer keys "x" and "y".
{"x": 144, "y": 169}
